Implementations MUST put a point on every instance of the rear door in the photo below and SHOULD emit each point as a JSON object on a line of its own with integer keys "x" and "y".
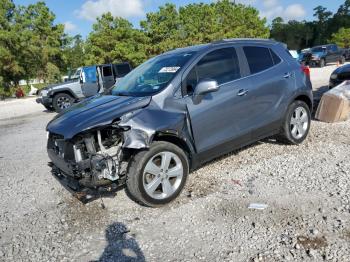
{"x": 332, "y": 54}
{"x": 90, "y": 85}
{"x": 272, "y": 83}
{"x": 219, "y": 118}
{"x": 107, "y": 76}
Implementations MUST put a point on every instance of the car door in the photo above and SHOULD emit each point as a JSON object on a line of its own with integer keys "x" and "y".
{"x": 107, "y": 76}
{"x": 331, "y": 54}
{"x": 216, "y": 120}
{"x": 272, "y": 83}
{"x": 89, "y": 83}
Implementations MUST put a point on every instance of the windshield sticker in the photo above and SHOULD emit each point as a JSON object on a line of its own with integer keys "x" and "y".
{"x": 171, "y": 69}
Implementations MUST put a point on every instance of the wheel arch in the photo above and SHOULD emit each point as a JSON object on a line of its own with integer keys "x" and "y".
{"x": 65, "y": 91}
{"x": 176, "y": 140}
{"x": 305, "y": 99}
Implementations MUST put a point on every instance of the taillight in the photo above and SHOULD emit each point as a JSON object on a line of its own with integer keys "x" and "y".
{"x": 306, "y": 70}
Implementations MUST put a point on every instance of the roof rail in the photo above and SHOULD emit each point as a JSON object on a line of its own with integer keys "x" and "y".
{"x": 243, "y": 39}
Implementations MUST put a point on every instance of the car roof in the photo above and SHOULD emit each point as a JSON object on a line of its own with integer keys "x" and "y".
{"x": 196, "y": 48}
{"x": 323, "y": 45}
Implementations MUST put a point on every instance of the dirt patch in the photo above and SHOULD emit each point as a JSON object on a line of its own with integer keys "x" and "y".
{"x": 312, "y": 243}
{"x": 347, "y": 234}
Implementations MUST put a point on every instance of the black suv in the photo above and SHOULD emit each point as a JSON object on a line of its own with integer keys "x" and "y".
{"x": 175, "y": 112}
{"x": 322, "y": 55}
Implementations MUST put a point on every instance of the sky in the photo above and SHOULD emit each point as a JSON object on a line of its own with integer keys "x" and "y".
{"x": 79, "y": 15}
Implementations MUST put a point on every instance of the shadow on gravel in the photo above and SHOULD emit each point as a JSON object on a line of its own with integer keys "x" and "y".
{"x": 120, "y": 247}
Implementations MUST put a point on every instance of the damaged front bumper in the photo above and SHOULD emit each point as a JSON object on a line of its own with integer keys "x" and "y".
{"x": 89, "y": 164}
{"x": 82, "y": 193}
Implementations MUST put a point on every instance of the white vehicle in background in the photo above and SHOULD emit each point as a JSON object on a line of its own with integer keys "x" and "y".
{"x": 294, "y": 54}
{"x": 87, "y": 81}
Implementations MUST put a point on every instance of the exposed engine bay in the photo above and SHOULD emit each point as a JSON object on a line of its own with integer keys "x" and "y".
{"x": 96, "y": 158}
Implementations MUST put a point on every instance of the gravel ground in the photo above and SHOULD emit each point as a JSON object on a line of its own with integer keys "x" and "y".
{"x": 306, "y": 188}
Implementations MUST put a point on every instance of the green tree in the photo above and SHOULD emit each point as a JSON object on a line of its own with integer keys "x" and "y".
{"x": 114, "y": 39}
{"x": 40, "y": 39}
{"x": 162, "y": 29}
{"x": 169, "y": 28}
{"x": 10, "y": 69}
{"x": 29, "y": 42}
{"x": 342, "y": 37}
{"x": 73, "y": 53}
{"x": 323, "y": 18}
{"x": 340, "y": 19}
{"x": 297, "y": 35}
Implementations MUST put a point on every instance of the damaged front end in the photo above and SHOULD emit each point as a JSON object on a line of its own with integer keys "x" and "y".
{"x": 91, "y": 144}
{"x": 91, "y": 162}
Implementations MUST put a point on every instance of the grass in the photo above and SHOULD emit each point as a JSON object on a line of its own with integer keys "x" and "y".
{"x": 26, "y": 88}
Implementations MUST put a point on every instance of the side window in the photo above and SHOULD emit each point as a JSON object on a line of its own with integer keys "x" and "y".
{"x": 107, "y": 71}
{"x": 123, "y": 70}
{"x": 89, "y": 74}
{"x": 259, "y": 58}
{"x": 220, "y": 65}
{"x": 276, "y": 59}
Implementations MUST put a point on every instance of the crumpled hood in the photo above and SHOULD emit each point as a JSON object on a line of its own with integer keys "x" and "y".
{"x": 97, "y": 111}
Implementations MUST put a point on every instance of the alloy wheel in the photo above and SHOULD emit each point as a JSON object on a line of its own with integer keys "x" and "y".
{"x": 299, "y": 122}
{"x": 162, "y": 175}
{"x": 63, "y": 102}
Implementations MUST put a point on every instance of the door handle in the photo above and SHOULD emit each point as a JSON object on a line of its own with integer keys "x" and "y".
{"x": 287, "y": 75}
{"x": 242, "y": 92}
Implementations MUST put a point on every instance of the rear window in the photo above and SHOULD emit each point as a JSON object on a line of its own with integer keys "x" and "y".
{"x": 276, "y": 59}
{"x": 259, "y": 58}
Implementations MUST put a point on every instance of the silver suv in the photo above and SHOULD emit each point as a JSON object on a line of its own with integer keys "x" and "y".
{"x": 85, "y": 82}
{"x": 177, "y": 111}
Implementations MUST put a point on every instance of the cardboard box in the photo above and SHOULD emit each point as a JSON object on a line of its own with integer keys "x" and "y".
{"x": 335, "y": 104}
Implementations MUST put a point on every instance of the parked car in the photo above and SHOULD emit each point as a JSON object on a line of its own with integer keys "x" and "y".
{"x": 294, "y": 54}
{"x": 339, "y": 75}
{"x": 177, "y": 111}
{"x": 322, "y": 55}
{"x": 303, "y": 56}
{"x": 87, "y": 81}
{"x": 346, "y": 53}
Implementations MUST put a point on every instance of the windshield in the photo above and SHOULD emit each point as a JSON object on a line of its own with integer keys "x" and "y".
{"x": 152, "y": 76}
{"x": 318, "y": 49}
{"x": 75, "y": 75}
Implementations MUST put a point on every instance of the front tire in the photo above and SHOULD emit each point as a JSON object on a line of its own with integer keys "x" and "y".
{"x": 296, "y": 124}
{"x": 157, "y": 176}
{"x": 62, "y": 101}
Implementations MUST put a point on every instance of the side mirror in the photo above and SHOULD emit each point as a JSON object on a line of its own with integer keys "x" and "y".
{"x": 204, "y": 87}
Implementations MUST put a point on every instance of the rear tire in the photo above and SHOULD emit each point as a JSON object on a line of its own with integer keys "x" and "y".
{"x": 296, "y": 124}
{"x": 156, "y": 176}
{"x": 62, "y": 101}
